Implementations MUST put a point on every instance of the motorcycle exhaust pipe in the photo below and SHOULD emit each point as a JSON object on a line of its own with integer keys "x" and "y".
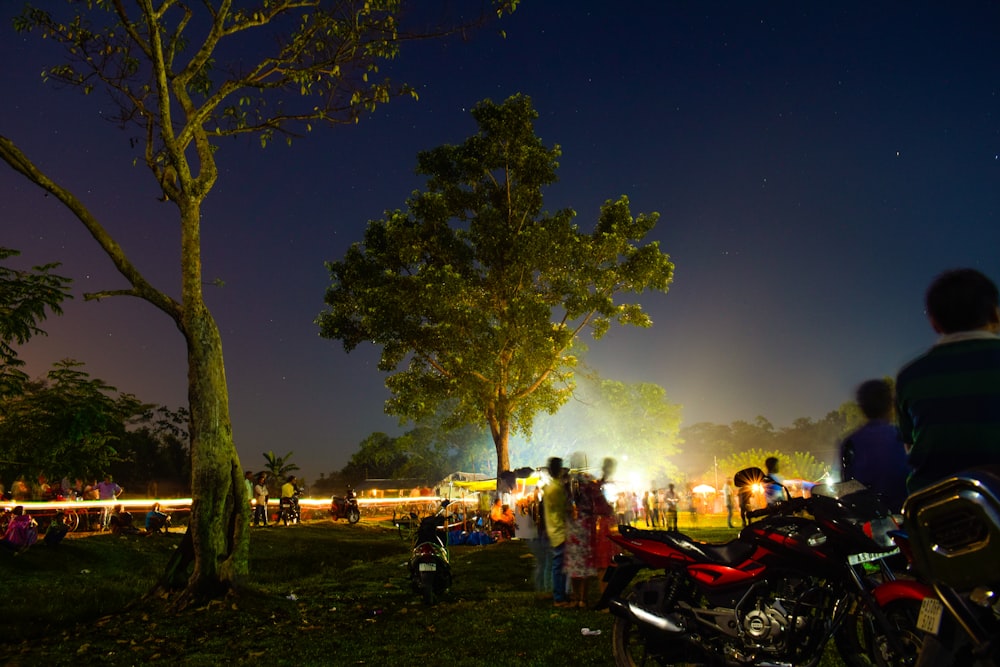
{"x": 626, "y": 609}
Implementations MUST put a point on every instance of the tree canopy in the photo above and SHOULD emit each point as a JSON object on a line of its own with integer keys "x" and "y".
{"x": 476, "y": 295}
{"x": 188, "y": 75}
{"x": 279, "y": 466}
{"x": 25, "y": 299}
{"x": 67, "y": 425}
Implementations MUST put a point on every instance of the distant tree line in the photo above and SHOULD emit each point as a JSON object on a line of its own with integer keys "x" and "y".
{"x": 626, "y": 421}
{"x": 70, "y": 426}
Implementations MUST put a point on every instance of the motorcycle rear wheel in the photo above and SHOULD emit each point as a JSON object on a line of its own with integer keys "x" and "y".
{"x": 903, "y": 617}
{"x": 427, "y": 587}
{"x": 861, "y": 643}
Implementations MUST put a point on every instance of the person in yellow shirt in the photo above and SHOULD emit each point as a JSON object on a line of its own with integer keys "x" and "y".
{"x": 554, "y": 501}
{"x": 288, "y": 506}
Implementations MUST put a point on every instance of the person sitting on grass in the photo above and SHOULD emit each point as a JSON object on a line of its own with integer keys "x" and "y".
{"x": 157, "y": 521}
{"x": 121, "y": 522}
{"x": 57, "y": 530}
{"x": 22, "y": 531}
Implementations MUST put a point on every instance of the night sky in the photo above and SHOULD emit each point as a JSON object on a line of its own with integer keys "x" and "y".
{"x": 814, "y": 166}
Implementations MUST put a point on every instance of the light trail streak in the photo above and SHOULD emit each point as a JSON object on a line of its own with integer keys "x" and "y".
{"x": 185, "y": 503}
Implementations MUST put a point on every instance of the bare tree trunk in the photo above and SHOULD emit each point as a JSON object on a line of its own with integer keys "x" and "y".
{"x": 216, "y": 543}
{"x": 500, "y": 430}
{"x": 219, "y": 530}
{"x": 220, "y": 508}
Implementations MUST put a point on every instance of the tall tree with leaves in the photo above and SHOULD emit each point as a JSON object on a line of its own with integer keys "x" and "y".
{"x": 26, "y": 297}
{"x": 476, "y": 295}
{"x": 189, "y": 75}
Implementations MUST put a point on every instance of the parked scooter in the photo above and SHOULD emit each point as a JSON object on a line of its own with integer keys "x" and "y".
{"x": 429, "y": 565}
{"x": 953, "y": 528}
{"x": 346, "y": 507}
{"x": 775, "y": 595}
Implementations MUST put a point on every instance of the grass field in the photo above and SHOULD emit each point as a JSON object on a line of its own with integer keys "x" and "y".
{"x": 320, "y": 593}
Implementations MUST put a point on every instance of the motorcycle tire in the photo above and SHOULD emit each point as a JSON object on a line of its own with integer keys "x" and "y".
{"x": 902, "y": 615}
{"x": 861, "y": 643}
{"x": 353, "y": 515}
{"x": 631, "y": 646}
{"x": 427, "y": 587}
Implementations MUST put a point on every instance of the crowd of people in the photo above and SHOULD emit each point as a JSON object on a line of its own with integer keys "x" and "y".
{"x": 570, "y": 522}
{"x": 22, "y": 530}
{"x": 259, "y": 493}
{"x": 43, "y": 490}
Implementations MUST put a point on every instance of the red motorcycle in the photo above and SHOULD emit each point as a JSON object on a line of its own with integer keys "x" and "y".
{"x": 346, "y": 507}
{"x": 773, "y": 596}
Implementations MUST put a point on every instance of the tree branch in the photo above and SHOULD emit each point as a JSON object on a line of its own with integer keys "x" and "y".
{"x": 13, "y": 156}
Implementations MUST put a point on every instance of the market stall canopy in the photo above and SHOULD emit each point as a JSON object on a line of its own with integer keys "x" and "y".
{"x": 389, "y": 485}
{"x": 523, "y": 477}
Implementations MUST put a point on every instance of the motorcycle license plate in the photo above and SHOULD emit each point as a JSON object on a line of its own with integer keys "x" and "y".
{"x": 427, "y": 567}
{"x": 858, "y": 559}
{"x": 929, "y": 618}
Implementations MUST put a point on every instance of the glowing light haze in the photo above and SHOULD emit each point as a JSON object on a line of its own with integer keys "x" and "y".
{"x": 814, "y": 165}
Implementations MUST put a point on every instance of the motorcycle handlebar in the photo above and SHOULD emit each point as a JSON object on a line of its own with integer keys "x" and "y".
{"x": 789, "y": 506}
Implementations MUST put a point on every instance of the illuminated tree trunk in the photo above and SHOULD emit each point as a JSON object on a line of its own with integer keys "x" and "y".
{"x": 499, "y": 421}
{"x": 217, "y": 535}
{"x": 220, "y": 509}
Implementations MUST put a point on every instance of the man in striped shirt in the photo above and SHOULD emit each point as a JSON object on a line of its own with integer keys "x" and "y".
{"x": 948, "y": 399}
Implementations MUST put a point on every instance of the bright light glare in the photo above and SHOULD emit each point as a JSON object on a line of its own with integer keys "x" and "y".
{"x": 29, "y": 505}
{"x": 185, "y": 503}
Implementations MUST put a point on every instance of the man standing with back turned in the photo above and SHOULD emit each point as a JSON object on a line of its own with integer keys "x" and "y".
{"x": 948, "y": 399}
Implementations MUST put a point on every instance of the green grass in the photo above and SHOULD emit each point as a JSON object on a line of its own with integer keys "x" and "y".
{"x": 321, "y": 593}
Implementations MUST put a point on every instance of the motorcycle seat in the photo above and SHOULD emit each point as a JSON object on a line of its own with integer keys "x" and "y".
{"x": 729, "y": 552}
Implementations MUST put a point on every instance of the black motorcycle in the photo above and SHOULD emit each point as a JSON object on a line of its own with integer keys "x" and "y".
{"x": 953, "y": 528}
{"x": 288, "y": 508}
{"x": 429, "y": 565}
{"x": 346, "y": 507}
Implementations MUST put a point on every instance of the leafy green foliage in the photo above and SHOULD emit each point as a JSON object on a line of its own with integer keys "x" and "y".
{"x": 427, "y": 453}
{"x": 476, "y": 295}
{"x": 279, "y": 466}
{"x": 68, "y": 425}
{"x": 795, "y": 465}
{"x": 154, "y": 452}
{"x": 25, "y": 298}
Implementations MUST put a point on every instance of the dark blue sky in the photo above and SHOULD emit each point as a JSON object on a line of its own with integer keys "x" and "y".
{"x": 814, "y": 166}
